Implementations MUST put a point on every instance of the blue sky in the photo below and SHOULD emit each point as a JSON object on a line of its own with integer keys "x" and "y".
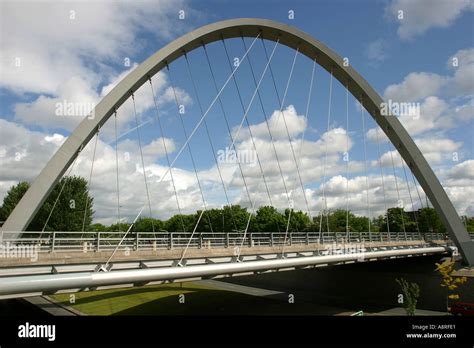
{"x": 59, "y": 52}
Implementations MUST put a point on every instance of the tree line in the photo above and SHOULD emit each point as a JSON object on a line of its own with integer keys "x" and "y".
{"x": 72, "y": 210}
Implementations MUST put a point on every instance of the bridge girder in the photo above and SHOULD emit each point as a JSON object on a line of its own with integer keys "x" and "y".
{"x": 28, "y": 206}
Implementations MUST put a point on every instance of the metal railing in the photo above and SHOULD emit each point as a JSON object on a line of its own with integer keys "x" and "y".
{"x": 148, "y": 241}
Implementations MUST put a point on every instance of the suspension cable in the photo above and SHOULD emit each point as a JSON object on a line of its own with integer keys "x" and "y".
{"x": 244, "y": 118}
{"x": 228, "y": 130}
{"x": 300, "y": 155}
{"x": 255, "y": 93}
{"x": 191, "y": 156}
{"x": 250, "y": 133}
{"x": 347, "y": 160}
{"x": 90, "y": 180}
{"x": 398, "y": 194}
{"x": 143, "y": 163}
{"x": 290, "y": 204}
{"x": 362, "y": 114}
{"x": 210, "y": 107}
{"x": 281, "y": 113}
{"x": 167, "y": 154}
{"x": 60, "y": 192}
{"x": 325, "y": 162}
{"x": 416, "y": 187}
{"x": 117, "y": 171}
{"x": 191, "y": 238}
{"x": 208, "y": 133}
{"x": 409, "y": 193}
{"x": 383, "y": 181}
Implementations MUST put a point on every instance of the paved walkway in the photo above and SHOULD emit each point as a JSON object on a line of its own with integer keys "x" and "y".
{"x": 52, "y": 307}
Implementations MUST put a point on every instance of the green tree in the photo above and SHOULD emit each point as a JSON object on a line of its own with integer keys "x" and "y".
{"x": 299, "y": 220}
{"x": 147, "y": 224}
{"x": 397, "y": 218}
{"x": 122, "y": 227}
{"x": 12, "y": 198}
{"x": 429, "y": 221}
{"x": 340, "y": 217}
{"x": 236, "y": 217}
{"x": 268, "y": 219}
{"x": 411, "y": 293}
{"x": 175, "y": 223}
{"x": 98, "y": 228}
{"x": 359, "y": 223}
{"x": 62, "y": 211}
{"x": 468, "y": 222}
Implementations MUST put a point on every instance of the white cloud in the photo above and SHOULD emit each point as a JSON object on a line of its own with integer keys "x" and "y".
{"x": 441, "y": 99}
{"x": 465, "y": 112}
{"x": 415, "y": 86}
{"x": 421, "y": 15}
{"x": 434, "y": 114}
{"x": 23, "y": 153}
{"x": 459, "y": 184}
{"x": 276, "y": 122}
{"x": 48, "y": 112}
{"x": 53, "y": 48}
{"x": 376, "y": 135}
{"x": 462, "y": 83}
{"x": 377, "y": 50}
{"x": 435, "y": 149}
{"x": 432, "y": 111}
{"x": 55, "y": 65}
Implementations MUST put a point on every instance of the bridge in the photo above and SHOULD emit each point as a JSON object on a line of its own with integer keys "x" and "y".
{"x": 81, "y": 260}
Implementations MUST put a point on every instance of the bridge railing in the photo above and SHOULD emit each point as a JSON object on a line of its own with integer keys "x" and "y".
{"x": 148, "y": 241}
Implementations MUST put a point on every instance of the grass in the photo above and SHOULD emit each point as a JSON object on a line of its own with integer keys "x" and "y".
{"x": 164, "y": 300}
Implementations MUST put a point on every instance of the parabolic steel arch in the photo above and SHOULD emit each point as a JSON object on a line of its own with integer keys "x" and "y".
{"x": 247, "y": 27}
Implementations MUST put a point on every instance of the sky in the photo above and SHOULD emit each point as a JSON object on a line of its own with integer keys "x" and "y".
{"x": 58, "y": 54}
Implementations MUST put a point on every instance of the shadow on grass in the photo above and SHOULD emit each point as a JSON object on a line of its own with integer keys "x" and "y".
{"x": 113, "y": 294}
{"x": 216, "y": 302}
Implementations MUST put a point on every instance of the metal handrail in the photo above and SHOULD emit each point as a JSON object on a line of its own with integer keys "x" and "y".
{"x": 146, "y": 241}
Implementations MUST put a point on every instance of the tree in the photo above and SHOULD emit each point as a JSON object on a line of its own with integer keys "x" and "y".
{"x": 122, "y": 227}
{"x": 338, "y": 220}
{"x": 63, "y": 210}
{"x": 411, "y": 292}
{"x": 146, "y": 224}
{"x": 398, "y": 220}
{"x": 468, "y": 222}
{"x": 268, "y": 219}
{"x": 176, "y": 222}
{"x": 236, "y": 218}
{"x": 98, "y": 228}
{"x": 429, "y": 221}
{"x": 14, "y": 194}
{"x": 359, "y": 223}
{"x": 298, "y": 221}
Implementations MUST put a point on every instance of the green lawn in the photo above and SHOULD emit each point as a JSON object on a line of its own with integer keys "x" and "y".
{"x": 164, "y": 300}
